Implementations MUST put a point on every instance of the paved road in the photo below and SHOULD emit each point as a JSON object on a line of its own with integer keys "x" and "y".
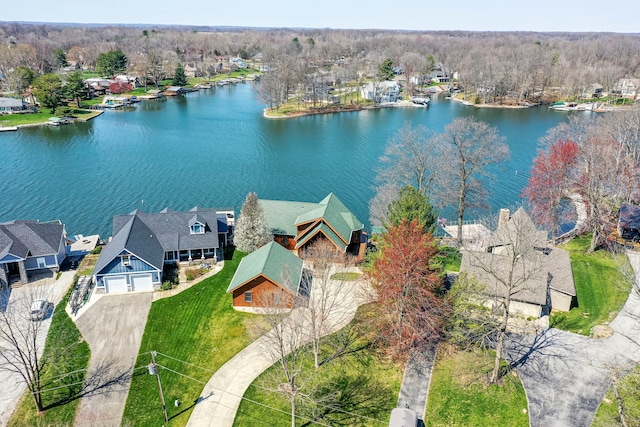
{"x": 113, "y": 329}
{"x": 566, "y": 375}
{"x": 12, "y": 385}
{"x": 221, "y": 396}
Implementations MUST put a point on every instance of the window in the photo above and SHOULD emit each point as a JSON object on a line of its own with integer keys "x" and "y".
{"x": 277, "y": 298}
{"x": 248, "y": 297}
{"x": 197, "y": 228}
{"x": 126, "y": 260}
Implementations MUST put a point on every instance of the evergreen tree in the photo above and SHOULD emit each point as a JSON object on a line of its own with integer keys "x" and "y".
{"x": 412, "y": 204}
{"x": 75, "y": 88}
{"x": 60, "y": 58}
{"x": 179, "y": 77}
{"x": 385, "y": 71}
{"x": 252, "y": 231}
{"x": 112, "y": 62}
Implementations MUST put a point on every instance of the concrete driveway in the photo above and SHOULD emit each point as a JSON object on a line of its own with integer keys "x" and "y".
{"x": 113, "y": 329}
{"x": 221, "y": 396}
{"x": 566, "y": 375}
{"x": 12, "y": 384}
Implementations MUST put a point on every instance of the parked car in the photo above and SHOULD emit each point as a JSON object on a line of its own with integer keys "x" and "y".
{"x": 39, "y": 309}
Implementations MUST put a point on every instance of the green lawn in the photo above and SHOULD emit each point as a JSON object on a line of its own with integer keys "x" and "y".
{"x": 68, "y": 353}
{"x": 607, "y": 415}
{"x": 346, "y": 276}
{"x": 365, "y": 385}
{"x": 460, "y": 396}
{"x": 198, "y": 326}
{"x": 600, "y": 287}
{"x": 44, "y": 115}
{"x": 450, "y": 258}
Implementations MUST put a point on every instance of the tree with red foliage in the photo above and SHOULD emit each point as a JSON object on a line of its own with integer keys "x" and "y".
{"x": 408, "y": 287}
{"x": 120, "y": 87}
{"x": 553, "y": 178}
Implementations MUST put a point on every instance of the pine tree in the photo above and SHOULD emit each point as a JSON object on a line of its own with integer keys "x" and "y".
{"x": 179, "y": 78}
{"x": 252, "y": 231}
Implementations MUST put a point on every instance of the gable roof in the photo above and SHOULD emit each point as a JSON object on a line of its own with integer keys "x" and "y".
{"x": 150, "y": 235}
{"x": 540, "y": 267}
{"x": 22, "y": 238}
{"x": 519, "y": 227}
{"x": 271, "y": 261}
{"x": 284, "y": 217}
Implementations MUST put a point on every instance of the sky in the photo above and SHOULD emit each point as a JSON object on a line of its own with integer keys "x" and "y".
{"x": 620, "y": 16}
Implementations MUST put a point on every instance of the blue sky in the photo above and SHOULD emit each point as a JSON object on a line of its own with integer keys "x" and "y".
{"x": 471, "y": 15}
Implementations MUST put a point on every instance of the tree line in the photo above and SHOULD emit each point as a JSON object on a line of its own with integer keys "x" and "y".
{"x": 493, "y": 65}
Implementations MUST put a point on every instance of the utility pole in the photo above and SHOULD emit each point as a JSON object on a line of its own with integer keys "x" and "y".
{"x": 153, "y": 370}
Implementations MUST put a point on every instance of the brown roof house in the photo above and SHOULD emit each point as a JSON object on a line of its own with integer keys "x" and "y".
{"x": 271, "y": 276}
{"x": 517, "y": 262}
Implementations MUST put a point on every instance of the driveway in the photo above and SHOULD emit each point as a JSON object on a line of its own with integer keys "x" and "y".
{"x": 566, "y": 375}
{"x": 221, "y": 397}
{"x": 113, "y": 329}
{"x": 12, "y": 384}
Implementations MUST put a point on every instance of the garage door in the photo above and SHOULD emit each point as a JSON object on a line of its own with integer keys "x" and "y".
{"x": 142, "y": 283}
{"x": 116, "y": 284}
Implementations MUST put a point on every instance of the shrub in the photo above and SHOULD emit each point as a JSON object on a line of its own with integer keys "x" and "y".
{"x": 166, "y": 285}
{"x": 96, "y": 250}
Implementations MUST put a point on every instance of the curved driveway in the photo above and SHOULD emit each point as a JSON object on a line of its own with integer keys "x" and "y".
{"x": 566, "y": 375}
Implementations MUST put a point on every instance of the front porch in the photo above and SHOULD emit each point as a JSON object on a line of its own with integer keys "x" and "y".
{"x": 14, "y": 274}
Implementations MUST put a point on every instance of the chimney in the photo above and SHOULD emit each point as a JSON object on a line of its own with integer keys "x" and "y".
{"x": 503, "y": 217}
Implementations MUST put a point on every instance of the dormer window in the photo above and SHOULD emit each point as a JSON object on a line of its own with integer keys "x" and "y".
{"x": 197, "y": 228}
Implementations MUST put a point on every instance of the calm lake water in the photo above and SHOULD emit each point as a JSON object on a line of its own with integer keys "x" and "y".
{"x": 210, "y": 148}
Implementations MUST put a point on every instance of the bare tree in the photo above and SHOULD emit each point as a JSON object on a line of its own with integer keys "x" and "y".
{"x": 511, "y": 268}
{"x": 409, "y": 158}
{"x": 379, "y": 204}
{"x": 285, "y": 337}
{"x": 22, "y": 339}
{"x": 467, "y": 149}
{"x": 328, "y": 304}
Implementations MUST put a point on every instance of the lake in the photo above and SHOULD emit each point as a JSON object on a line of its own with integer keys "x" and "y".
{"x": 210, "y": 148}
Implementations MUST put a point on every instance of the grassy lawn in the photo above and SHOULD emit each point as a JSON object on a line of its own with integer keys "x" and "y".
{"x": 607, "y": 415}
{"x": 459, "y": 396}
{"x": 364, "y": 385}
{"x": 450, "y": 258}
{"x": 346, "y": 276}
{"x": 601, "y": 288}
{"x": 68, "y": 353}
{"x": 44, "y": 115}
{"x": 198, "y": 326}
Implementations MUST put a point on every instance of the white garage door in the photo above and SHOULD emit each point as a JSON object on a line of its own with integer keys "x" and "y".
{"x": 142, "y": 283}
{"x": 116, "y": 284}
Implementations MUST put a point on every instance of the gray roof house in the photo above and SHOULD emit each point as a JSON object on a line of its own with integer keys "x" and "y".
{"x": 29, "y": 245}
{"x": 11, "y": 105}
{"x": 517, "y": 261}
{"x": 143, "y": 242}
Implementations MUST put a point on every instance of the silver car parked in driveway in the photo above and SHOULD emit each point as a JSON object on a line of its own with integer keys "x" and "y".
{"x": 39, "y": 309}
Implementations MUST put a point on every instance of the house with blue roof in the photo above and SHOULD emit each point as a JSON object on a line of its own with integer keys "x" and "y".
{"x": 142, "y": 243}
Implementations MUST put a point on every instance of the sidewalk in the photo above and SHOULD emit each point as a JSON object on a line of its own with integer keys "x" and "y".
{"x": 222, "y": 395}
{"x": 414, "y": 391}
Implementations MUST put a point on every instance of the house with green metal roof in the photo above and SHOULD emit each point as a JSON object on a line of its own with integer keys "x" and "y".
{"x": 298, "y": 225}
{"x": 269, "y": 275}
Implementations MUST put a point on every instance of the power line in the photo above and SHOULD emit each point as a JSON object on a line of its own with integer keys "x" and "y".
{"x": 258, "y": 403}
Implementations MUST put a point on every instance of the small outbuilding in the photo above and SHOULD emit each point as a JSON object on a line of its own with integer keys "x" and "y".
{"x": 270, "y": 276}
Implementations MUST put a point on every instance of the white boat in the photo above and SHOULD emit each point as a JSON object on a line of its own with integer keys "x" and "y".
{"x": 467, "y": 103}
